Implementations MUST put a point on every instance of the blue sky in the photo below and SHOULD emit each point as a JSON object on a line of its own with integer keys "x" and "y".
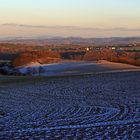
{"x": 83, "y": 13}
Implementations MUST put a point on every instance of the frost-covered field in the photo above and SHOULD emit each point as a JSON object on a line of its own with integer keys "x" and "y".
{"x": 73, "y": 68}
{"x": 102, "y": 106}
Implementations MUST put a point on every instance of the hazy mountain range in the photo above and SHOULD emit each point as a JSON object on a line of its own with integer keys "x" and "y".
{"x": 11, "y": 30}
{"x": 42, "y": 40}
{"x": 71, "y": 27}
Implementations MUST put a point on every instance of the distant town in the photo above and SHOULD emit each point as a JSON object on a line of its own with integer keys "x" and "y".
{"x": 18, "y": 52}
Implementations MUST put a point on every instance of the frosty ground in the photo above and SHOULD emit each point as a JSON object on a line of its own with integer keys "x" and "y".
{"x": 93, "y": 106}
{"x": 73, "y": 68}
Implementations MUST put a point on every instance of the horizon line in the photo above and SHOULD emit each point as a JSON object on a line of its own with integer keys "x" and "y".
{"x": 123, "y": 29}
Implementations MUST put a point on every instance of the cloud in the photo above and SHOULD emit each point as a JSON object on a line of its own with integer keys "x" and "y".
{"x": 119, "y": 29}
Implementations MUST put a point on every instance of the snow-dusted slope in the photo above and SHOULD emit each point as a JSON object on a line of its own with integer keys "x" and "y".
{"x": 68, "y": 68}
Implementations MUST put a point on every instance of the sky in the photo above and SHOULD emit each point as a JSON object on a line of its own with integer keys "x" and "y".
{"x": 86, "y": 18}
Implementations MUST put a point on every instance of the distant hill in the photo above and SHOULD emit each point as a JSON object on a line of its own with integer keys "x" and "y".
{"x": 72, "y": 40}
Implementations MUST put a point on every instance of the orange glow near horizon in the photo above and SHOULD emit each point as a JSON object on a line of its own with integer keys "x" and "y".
{"x": 104, "y": 14}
